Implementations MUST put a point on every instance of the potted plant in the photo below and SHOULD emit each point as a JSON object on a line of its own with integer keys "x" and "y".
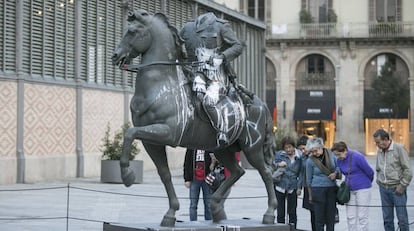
{"x": 307, "y": 27}
{"x": 111, "y": 154}
{"x": 305, "y": 17}
{"x": 332, "y": 17}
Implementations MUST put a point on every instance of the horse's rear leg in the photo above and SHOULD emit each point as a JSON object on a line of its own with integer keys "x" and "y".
{"x": 218, "y": 198}
{"x": 159, "y": 157}
{"x": 256, "y": 159}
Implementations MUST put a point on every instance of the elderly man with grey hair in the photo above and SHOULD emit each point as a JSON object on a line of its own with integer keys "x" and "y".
{"x": 394, "y": 175}
{"x": 321, "y": 173}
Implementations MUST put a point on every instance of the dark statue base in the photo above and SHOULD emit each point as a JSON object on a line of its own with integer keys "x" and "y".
{"x": 228, "y": 225}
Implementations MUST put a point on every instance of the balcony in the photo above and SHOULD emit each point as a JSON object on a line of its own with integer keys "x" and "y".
{"x": 310, "y": 81}
{"x": 341, "y": 30}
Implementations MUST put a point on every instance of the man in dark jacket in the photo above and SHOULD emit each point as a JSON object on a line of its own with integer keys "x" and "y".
{"x": 196, "y": 167}
{"x": 212, "y": 42}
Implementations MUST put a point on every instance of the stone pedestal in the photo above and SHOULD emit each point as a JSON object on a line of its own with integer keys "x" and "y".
{"x": 229, "y": 225}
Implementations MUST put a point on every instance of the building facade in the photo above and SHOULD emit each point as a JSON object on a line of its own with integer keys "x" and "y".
{"x": 59, "y": 89}
{"x": 325, "y": 60}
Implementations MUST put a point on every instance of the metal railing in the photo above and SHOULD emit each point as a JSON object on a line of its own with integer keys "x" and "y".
{"x": 341, "y": 30}
{"x": 309, "y": 81}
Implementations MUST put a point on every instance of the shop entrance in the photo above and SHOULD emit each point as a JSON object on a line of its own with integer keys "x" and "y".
{"x": 324, "y": 129}
{"x": 397, "y": 128}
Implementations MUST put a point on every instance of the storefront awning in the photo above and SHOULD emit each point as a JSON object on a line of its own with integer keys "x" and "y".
{"x": 315, "y": 105}
{"x": 373, "y": 109}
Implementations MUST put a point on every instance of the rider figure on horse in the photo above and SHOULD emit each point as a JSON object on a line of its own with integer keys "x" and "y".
{"x": 211, "y": 42}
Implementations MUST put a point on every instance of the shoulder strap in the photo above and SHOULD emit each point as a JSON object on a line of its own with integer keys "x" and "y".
{"x": 322, "y": 167}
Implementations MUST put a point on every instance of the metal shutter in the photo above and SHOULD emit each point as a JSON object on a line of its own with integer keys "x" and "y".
{"x": 179, "y": 12}
{"x": 2, "y": 34}
{"x": 36, "y": 33}
{"x": 101, "y": 31}
{"x": 49, "y": 38}
{"x": 150, "y": 6}
{"x": 70, "y": 40}
{"x": 27, "y": 38}
{"x": 88, "y": 41}
{"x": 10, "y": 36}
{"x": 113, "y": 34}
{"x": 100, "y": 51}
{"x": 64, "y": 40}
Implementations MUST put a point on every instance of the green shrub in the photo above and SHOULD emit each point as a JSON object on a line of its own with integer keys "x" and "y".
{"x": 305, "y": 16}
{"x": 112, "y": 148}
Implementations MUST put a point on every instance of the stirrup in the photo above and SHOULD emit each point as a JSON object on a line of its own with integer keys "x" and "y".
{"x": 222, "y": 139}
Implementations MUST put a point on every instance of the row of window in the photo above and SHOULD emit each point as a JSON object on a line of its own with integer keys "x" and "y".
{"x": 317, "y": 72}
{"x": 321, "y": 10}
{"x": 73, "y": 40}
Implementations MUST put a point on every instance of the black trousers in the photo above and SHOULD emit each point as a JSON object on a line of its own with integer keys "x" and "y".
{"x": 324, "y": 206}
{"x": 292, "y": 201}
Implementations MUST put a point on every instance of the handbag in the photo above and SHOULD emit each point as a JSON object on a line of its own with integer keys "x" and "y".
{"x": 343, "y": 195}
{"x": 218, "y": 173}
{"x": 277, "y": 175}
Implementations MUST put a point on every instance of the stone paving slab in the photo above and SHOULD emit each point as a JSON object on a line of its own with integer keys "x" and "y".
{"x": 91, "y": 203}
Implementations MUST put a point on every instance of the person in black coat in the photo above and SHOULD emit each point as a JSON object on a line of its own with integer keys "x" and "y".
{"x": 196, "y": 167}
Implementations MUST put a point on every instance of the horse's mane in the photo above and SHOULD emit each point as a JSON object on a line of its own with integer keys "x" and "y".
{"x": 178, "y": 41}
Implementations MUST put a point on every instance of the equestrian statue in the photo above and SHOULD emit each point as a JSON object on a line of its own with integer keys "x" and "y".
{"x": 186, "y": 95}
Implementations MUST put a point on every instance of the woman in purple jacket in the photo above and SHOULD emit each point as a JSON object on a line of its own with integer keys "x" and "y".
{"x": 359, "y": 180}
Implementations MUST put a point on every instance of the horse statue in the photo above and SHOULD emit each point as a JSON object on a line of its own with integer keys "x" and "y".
{"x": 163, "y": 113}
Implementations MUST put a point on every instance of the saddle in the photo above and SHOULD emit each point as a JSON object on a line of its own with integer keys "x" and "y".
{"x": 234, "y": 112}
{"x": 234, "y": 104}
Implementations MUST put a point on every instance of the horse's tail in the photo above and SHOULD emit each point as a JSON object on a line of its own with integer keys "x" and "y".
{"x": 270, "y": 142}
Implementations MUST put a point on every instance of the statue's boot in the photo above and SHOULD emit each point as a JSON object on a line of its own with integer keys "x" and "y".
{"x": 217, "y": 121}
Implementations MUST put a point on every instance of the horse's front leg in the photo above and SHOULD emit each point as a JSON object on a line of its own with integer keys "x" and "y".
{"x": 159, "y": 133}
{"x": 159, "y": 157}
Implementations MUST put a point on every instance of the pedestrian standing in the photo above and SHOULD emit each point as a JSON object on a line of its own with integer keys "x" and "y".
{"x": 394, "y": 174}
{"x": 359, "y": 176}
{"x": 290, "y": 184}
{"x": 196, "y": 168}
{"x": 321, "y": 174}
{"x": 301, "y": 145}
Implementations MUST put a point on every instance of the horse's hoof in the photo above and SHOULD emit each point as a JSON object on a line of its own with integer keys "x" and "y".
{"x": 218, "y": 216}
{"x": 168, "y": 221}
{"x": 268, "y": 219}
{"x": 128, "y": 177}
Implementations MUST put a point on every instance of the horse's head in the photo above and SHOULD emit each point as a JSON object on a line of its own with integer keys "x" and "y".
{"x": 144, "y": 31}
{"x": 136, "y": 40}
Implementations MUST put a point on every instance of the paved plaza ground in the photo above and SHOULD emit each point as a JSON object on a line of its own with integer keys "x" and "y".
{"x": 85, "y": 203}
